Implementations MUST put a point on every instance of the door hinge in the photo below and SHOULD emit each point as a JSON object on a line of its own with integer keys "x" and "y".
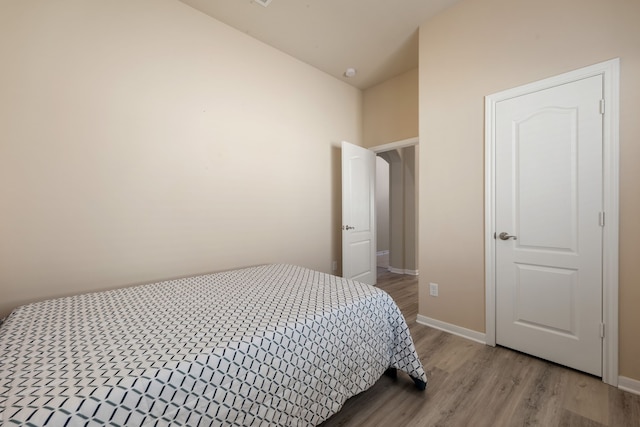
{"x": 601, "y": 219}
{"x": 602, "y": 106}
{"x": 601, "y": 330}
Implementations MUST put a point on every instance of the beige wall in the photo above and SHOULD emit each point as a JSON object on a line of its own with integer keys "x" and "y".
{"x": 390, "y": 114}
{"x": 390, "y": 110}
{"x": 477, "y": 48}
{"x": 142, "y": 140}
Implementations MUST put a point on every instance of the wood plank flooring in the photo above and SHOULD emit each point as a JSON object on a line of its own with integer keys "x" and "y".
{"x": 471, "y": 384}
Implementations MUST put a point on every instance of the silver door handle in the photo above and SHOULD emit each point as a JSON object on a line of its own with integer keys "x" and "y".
{"x": 505, "y": 236}
{"x": 348, "y": 227}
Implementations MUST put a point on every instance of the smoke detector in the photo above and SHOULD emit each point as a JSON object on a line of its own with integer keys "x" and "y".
{"x": 263, "y": 3}
{"x": 350, "y": 72}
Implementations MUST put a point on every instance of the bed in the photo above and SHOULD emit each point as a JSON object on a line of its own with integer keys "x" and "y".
{"x": 267, "y": 345}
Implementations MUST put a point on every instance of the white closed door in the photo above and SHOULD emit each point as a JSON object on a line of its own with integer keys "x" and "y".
{"x": 358, "y": 214}
{"x": 549, "y": 198}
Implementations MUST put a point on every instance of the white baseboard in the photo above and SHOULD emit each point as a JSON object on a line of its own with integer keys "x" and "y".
{"x": 452, "y": 329}
{"x": 624, "y": 383}
{"x": 629, "y": 384}
{"x": 382, "y": 259}
{"x": 402, "y": 271}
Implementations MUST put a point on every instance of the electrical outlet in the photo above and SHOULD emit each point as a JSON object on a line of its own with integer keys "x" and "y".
{"x": 334, "y": 266}
{"x": 433, "y": 289}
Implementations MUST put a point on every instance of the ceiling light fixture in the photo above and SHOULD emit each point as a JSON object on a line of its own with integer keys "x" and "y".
{"x": 350, "y": 72}
{"x": 263, "y": 3}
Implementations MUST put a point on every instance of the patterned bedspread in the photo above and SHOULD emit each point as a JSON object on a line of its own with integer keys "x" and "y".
{"x": 267, "y": 345}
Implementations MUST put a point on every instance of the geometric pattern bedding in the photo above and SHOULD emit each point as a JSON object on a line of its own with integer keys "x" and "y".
{"x": 267, "y": 345}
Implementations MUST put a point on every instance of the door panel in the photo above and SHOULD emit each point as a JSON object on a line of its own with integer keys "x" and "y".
{"x": 358, "y": 214}
{"x": 533, "y": 285}
{"x": 545, "y": 173}
{"x": 549, "y": 196}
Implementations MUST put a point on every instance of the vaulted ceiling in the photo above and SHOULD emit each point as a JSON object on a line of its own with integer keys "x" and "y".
{"x": 379, "y": 39}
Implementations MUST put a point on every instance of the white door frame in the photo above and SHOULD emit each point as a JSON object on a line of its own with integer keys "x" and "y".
{"x": 396, "y": 145}
{"x": 380, "y": 151}
{"x": 610, "y": 70}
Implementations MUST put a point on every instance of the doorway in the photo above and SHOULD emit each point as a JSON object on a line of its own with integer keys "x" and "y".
{"x": 551, "y": 219}
{"x": 396, "y": 207}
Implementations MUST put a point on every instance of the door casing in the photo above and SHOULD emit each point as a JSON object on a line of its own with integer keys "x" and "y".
{"x": 403, "y": 215}
{"x": 610, "y": 70}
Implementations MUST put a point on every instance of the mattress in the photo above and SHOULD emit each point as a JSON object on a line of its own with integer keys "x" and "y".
{"x": 267, "y": 345}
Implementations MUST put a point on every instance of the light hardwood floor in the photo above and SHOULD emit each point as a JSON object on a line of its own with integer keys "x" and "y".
{"x": 471, "y": 384}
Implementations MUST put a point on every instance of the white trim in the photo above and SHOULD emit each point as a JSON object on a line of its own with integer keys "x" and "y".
{"x": 452, "y": 329}
{"x": 402, "y": 271}
{"x": 395, "y": 145}
{"x": 611, "y": 172}
{"x": 629, "y": 384}
{"x": 382, "y": 259}
{"x": 610, "y": 70}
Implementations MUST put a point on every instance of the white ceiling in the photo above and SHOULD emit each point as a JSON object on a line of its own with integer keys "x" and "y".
{"x": 377, "y": 38}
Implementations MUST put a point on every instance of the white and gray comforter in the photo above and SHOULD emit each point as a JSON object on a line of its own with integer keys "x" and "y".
{"x": 267, "y": 345}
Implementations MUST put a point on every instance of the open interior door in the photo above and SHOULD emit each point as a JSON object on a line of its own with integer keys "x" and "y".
{"x": 358, "y": 213}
